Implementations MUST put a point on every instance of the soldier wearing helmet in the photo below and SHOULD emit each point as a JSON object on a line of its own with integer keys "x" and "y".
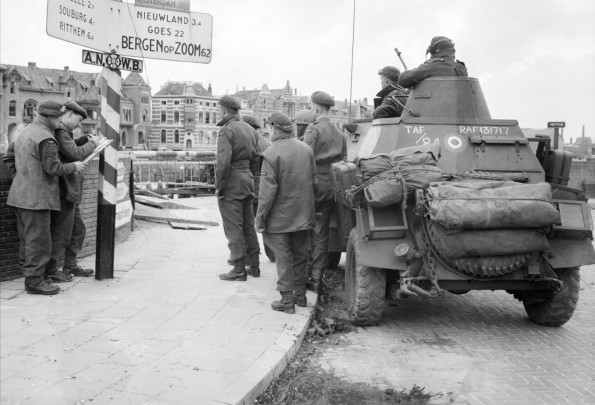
{"x": 302, "y": 119}
{"x": 389, "y": 101}
{"x": 441, "y": 63}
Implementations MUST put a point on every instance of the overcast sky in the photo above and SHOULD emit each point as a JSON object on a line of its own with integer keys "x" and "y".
{"x": 535, "y": 59}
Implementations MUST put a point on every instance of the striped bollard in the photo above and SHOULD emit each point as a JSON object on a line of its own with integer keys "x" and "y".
{"x": 111, "y": 92}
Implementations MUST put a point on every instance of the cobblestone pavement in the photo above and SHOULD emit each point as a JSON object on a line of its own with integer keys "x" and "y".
{"x": 477, "y": 348}
{"x": 164, "y": 331}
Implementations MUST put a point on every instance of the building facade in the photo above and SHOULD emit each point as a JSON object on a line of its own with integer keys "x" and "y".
{"x": 24, "y": 87}
{"x": 185, "y": 117}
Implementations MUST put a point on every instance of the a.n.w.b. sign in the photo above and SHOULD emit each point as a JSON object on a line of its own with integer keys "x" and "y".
{"x": 112, "y": 61}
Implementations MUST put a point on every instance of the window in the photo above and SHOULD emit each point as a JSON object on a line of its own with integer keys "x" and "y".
{"x": 264, "y": 104}
{"x": 163, "y": 102}
{"x": 214, "y": 104}
{"x": 200, "y": 103}
{"x": 208, "y": 104}
{"x": 127, "y": 112}
{"x": 144, "y": 115}
{"x": 12, "y": 87}
{"x": 200, "y": 117}
{"x": 163, "y": 136}
{"x": 176, "y": 102}
{"x": 141, "y": 137}
{"x": 176, "y": 136}
{"x": 176, "y": 117}
{"x": 201, "y": 134}
{"x": 123, "y": 139}
{"x": 144, "y": 98}
{"x": 68, "y": 93}
{"x": 90, "y": 113}
{"x": 214, "y": 116}
{"x": 163, "y": 117}
{"x": 207, "y": 116}
{"x": 29, "y": 108}
{"x": 12, "y": 109}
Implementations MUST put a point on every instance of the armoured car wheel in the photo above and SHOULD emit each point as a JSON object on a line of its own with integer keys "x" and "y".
{"x": 333, "y": 259}
{"x": 365, "y": 287}
{"x": 557, "y": 309}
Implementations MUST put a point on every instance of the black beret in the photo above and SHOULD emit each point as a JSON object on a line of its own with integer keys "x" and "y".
{"x": 281, "y": 121}
{"x": 390, "y": 72}
{"x": 72, "y": 106}
{"x": 230, "y": 102}
{"x": 322, "y": 98}
{"x": 50, "y": 108}
{"x": 249, "y": 119}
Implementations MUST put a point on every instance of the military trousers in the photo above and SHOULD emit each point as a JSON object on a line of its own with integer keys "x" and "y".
{"x": 61, "y": 229}
{"x": 321, "y": 236}
{"x": 77, "y": 238}
{"x": 238, "y": 226}
{"x": 35, "y": 240}
{"x": 291, "y": 258}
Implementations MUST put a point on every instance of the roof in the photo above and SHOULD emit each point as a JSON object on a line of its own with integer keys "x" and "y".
{"x": 51, "y": 80}
{"x": 183, "y": 89}
{"x": 134, "y": 79}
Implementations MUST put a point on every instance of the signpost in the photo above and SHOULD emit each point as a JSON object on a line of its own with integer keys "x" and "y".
{"x": 556, "y": 125}
{"x": 156, "y": 29}
{"x": 133, "y": 30}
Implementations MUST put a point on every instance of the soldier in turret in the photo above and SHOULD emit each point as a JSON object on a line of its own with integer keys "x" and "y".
{"x": 441, "y": 63}
{"x": 389, "y": 101}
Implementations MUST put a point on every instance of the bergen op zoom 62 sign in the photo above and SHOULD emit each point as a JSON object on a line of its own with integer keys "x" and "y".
{"x": 131, "y": 30}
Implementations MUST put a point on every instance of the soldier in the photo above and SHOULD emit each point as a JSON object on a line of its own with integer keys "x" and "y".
{"x": 237, "y": 162}
{"x": 389, "y": 101}
{"x": 286, "y": 210}
{"x": 329, "y": 145}
{"x": 67, "y": 226}
{"x": 302, "y": 119}
{"x": 441, "y": 63}
{"x": 35, "y": 192}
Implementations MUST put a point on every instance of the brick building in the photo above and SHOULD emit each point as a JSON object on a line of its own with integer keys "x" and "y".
{"x": 184, "y": 117}
{"x": 24, "y": 87}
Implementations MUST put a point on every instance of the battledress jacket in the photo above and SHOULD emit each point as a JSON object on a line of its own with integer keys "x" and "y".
{"x": 386, "y": 105}
{"x": 442, "y": 63}
{"x": 330, "y": 146}
{"x": 37, "y": 168}
{"x": 237, "y": 159}
{"x": 71, "y": 185}
{"x": 287, "y": 186}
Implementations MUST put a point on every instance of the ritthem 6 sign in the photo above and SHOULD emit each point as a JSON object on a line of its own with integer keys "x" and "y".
{"x": 132, "y": 30}
{"x": 556, "y": 124}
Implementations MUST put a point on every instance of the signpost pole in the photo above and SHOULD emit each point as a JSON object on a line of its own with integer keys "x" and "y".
{"x": 111, "y": 92}
{"x": 556, "y": 136}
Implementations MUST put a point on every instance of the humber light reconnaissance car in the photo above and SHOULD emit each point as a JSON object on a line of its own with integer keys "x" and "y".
{"x": 447, "y": 198}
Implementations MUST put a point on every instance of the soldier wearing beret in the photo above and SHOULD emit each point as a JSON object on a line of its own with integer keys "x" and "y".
{"x": 35, "y": 193}
{"x": 330, "y": 146}
{"x": 286, "y": 210}
{"x": 67, "y": 225}
{"x": 389, "y": 101}
{"x": 302, "y": 119}
{"x": 237, "y": 162}
{"x": 441, "y": 63}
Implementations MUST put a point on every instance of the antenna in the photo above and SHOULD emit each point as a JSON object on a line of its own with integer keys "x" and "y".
{"x": 352, "y": 44}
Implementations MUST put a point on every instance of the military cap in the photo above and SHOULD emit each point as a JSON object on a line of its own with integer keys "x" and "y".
{"x": 303, "y": 117}
{"x": 322, "y": 98}
{"x": 281, "y": 121}
{"x": 439, "y": 44}
{"x": 72, "y": 106}
{"x": 230, "y": 102}
{"x": 50, "y": 108}
{"x": 253, "y": 121}
{"x": 390, "y": 72}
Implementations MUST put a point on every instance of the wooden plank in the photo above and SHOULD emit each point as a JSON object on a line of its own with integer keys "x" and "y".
{"x": 169, "y": 218}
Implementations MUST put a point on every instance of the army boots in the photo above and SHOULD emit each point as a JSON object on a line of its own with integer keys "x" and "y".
{"x": 238, "y": 273}
{"x": 285, "y": 304}
{"x": 78, "y": 271}
{"x": 39, "y": 285}
{"x": 300, "y": 299}
{"x": 315, "y": 280}
{"x": 253, "y": 271}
